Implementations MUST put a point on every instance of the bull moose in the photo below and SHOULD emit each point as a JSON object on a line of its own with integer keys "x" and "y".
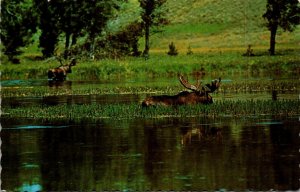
{"x": 60, "y": 73}
{"x": 199, "y": 94}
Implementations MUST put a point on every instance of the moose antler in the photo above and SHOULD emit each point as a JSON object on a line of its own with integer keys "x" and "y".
{"x": 73, "y": 62}
{"x": 207, "y": 88}
{"x": 187, "y": 85}
{"x": 210, "y": 88}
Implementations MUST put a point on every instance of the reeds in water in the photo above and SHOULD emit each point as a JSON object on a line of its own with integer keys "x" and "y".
{"x": 130, "y": 111}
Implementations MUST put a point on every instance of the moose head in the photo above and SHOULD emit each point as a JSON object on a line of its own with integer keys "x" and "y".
{"x": 199, "y": 94}
{"x": 60, "y": 73}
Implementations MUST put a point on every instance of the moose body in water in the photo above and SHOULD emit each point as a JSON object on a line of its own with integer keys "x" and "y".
{"x": 199, "y": 94}
{"x": 60, "y": 73}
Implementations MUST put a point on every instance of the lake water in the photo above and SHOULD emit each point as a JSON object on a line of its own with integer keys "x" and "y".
{"x": 151, "y": 154}
{"x": 148, "y": 154}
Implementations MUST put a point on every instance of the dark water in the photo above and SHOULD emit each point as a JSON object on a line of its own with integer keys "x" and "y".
{"x": 153, "y": 154}
{"x": 70, "y": 100}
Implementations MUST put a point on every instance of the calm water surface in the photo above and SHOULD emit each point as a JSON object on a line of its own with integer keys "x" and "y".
{"x": 154, "y": 154}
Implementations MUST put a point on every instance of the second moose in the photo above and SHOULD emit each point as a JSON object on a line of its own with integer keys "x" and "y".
{"x": 199, "y": 94}
{"x": 60, "y": 73}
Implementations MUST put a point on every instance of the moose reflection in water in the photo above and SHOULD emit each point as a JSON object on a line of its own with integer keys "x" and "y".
{"x": 60, "y": 73}
{"x": 201, "y": 134}
{"x": 60, "y": 84}
{"x": 199, "y": 94}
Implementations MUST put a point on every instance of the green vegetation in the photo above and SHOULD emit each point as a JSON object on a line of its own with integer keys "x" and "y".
{"x": 129, "y": 111}
{"x": 17, "y": 26}
{"x": 284, "y": 14}
{"x": 216, "y": 32}
{"x": 204, "y": 26}
{"x": 209, "y": 25}
{"x": 165, "y": 86}
{"x": 172, "y": 50}
{"x": 152, "y": 15}
{"x": 161, "y": 65}
{"x": 193, "y": 29}
{"x": 88, "y": 21}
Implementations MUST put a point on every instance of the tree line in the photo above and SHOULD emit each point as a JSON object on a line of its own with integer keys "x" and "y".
{"x": 74, "y": 19}
{"x": 82, "y": 19}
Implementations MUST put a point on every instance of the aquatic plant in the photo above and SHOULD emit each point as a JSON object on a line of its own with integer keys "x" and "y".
{"x": 128, "y": 111}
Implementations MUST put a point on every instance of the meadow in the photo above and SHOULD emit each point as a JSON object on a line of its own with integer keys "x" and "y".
{"x": 218, "y": 34}
{"x": 286, "y": 62}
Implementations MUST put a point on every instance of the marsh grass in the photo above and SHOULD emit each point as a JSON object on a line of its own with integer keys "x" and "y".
{"x": 131, "y": 111}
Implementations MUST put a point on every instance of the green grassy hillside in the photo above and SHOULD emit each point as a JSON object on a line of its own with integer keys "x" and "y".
{"x": 218, "y": 25}
{"x": 230, "y": 12}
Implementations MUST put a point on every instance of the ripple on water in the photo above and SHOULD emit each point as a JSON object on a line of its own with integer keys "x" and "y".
{"x": 28, "y": 127}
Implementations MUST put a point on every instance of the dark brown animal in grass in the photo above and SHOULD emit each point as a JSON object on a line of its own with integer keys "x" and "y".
{"x": 199, "y": 94}
{"x": 60, "y": 73}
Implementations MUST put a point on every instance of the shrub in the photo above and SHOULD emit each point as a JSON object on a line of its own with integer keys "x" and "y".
{"x": 172, "y": 49}
{"x": 189, "y": 51}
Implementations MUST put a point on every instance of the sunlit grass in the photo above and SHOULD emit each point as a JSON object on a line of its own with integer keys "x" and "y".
{"x": 159, "y": 65}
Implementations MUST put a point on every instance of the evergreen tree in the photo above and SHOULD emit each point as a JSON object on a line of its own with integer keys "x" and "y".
{"x": 281, "y": 13}
{"x": 17, "y": 26}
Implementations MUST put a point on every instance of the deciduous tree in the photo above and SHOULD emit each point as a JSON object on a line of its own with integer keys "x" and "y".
{"x": 281, "y": 13}
{"x": 152, "y": 15}
{"x": 97, "y": 13}
{"x": 72, "y": 18}
{"x": 18, "y": 23}
{"x": 49, "y": 17}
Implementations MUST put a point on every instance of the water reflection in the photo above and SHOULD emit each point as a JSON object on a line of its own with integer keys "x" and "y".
{"x": 60, "y": 84}
{"x": 154, "y": 154}
{"x": 202, "y": 133}
{"x": 70, "y": 99}
{"x": 277, "y": 90}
